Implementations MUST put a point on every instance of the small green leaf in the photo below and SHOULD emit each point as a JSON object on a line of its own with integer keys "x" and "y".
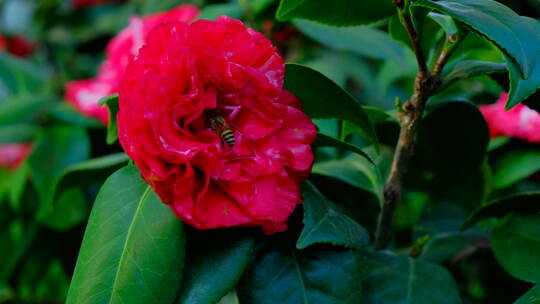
{"x": 446, "y": 23}
{"x": 215, "y": 262}
{"x": 338, "y": 12}
{"x": 528, "y": 202}
{"x": 324, "y": 224}
{"x": 56, "y": 150}
{"x": 112, "y": 129}
{"x": 393, "y": 279}
{"x": 516, "y": 244}
{"x": 133, "y": 247}
{"x": 516, "y": 35}
{"x": 329, "y": 141}
{"x": 362, "y": 40}
{"x": 322, "y": 98}
{"x": 281, "y": 274}
{"x": 20, "y": 133}
{"x": 212, "y": 11}
{"x": 514, "y": 166}
{"x": 530, "y": 297}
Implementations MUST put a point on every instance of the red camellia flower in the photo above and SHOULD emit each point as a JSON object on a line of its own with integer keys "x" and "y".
{"x": 17, "y": 45}
{"x": 519, "y": 122}
{"x": 83, "y": 3}
{"x": 12, "y": 155}
{"x": 204, "y": 116}
{"x": 85, "y": 94}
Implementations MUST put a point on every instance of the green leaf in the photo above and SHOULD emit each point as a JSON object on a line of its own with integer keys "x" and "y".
{"x": 520, "y": 88}
{"x": 18, "y": 133}
{"x": 65, "y": 112}
{"x": 215, "y": 262}
{"x": 18, "y": 183}
{"x": 329, "y": 141}
{"x": 530, "y": 297}
{"x": 393, "y": 279}
{"x": 353, "y": 170}
{"x": 446, "y": 23}
{"x": 258, "y": 6}
{"x": 514, "y": 166}
{"x": 281, "y": 274}
{"x": 111, "y": 102}
{"x": 56, "y": 150}
{"x": 89, "y": 171}
{"x": 133, "y": 247}
{"x": 22, "y": 108}
{"x": 322, "y": 98}
{"x": 339, "y": 12}
{"x": 516, "y": 244}
{"x": 69, "y": 211}
{"x": 444, "y": 144}
{"x": 517, "y": 36}
{"x": 362, "y": 40}
{"x": 465, "y": 69}
{"x": 212, "y": 11}
{"x": 324, "y": 224}
{"x": 527, "y": 202}
{"x": 20, "y": 76}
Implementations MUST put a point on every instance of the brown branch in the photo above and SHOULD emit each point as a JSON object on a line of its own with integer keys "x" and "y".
{"x": 426, "y": 84}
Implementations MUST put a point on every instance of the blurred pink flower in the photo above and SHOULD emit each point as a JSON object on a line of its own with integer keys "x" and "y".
{"x": 519, "y": 122}
{"x": 12, "y": 155}
{"x": 85, "y": 94}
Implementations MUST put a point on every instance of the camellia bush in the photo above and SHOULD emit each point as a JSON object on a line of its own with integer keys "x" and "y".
{"x": 270, "y": 151}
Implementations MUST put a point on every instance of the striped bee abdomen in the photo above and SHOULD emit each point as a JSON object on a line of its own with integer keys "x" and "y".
{"x": 228, "y": 137}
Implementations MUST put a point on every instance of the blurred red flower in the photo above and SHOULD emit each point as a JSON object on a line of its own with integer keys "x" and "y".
{"x": 190, "y": 89}
{"x": 519, "y": 122}
{"x": 17, "y": 45}
{"x": 12, "y": 155}
{"x": 85, "y": 94}
{"x": 83, "y": 3}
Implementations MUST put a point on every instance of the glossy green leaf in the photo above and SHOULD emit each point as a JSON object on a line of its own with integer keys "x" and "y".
{"x": 338, "y": 12}
{"x": 393, "y": 279}
{"x": 362, "y": 40}
{"x": 329, "y": 141}
{"x": 18, "y": 183}
{"x": 281, "y": 274}
{"x": 18, "y": 133}
{"x": 525, "y": 202}
{"x": 133, "y": 247}
{"x": 56, "y": 150}
{"x": 111, "y": 102}
{"x": 517, "y": 36}
{"x": 324, "y": 224}
{"x": 214, "y": 265}
{"x": 520, "y": 88}
{"x": 514, "y": 166}
{"x": 465, "y": 69}
{"x": 530, "y": 297}
{"x": 516, "y": 244}
{"x": 258, "y": 6}
{"x": 322, "y": 98}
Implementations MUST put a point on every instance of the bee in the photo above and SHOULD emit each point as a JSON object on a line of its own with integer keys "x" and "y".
{"x": 218, "y": 124}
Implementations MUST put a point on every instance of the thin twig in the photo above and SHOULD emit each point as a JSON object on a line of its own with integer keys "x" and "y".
{"x": 414, "y": 37}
